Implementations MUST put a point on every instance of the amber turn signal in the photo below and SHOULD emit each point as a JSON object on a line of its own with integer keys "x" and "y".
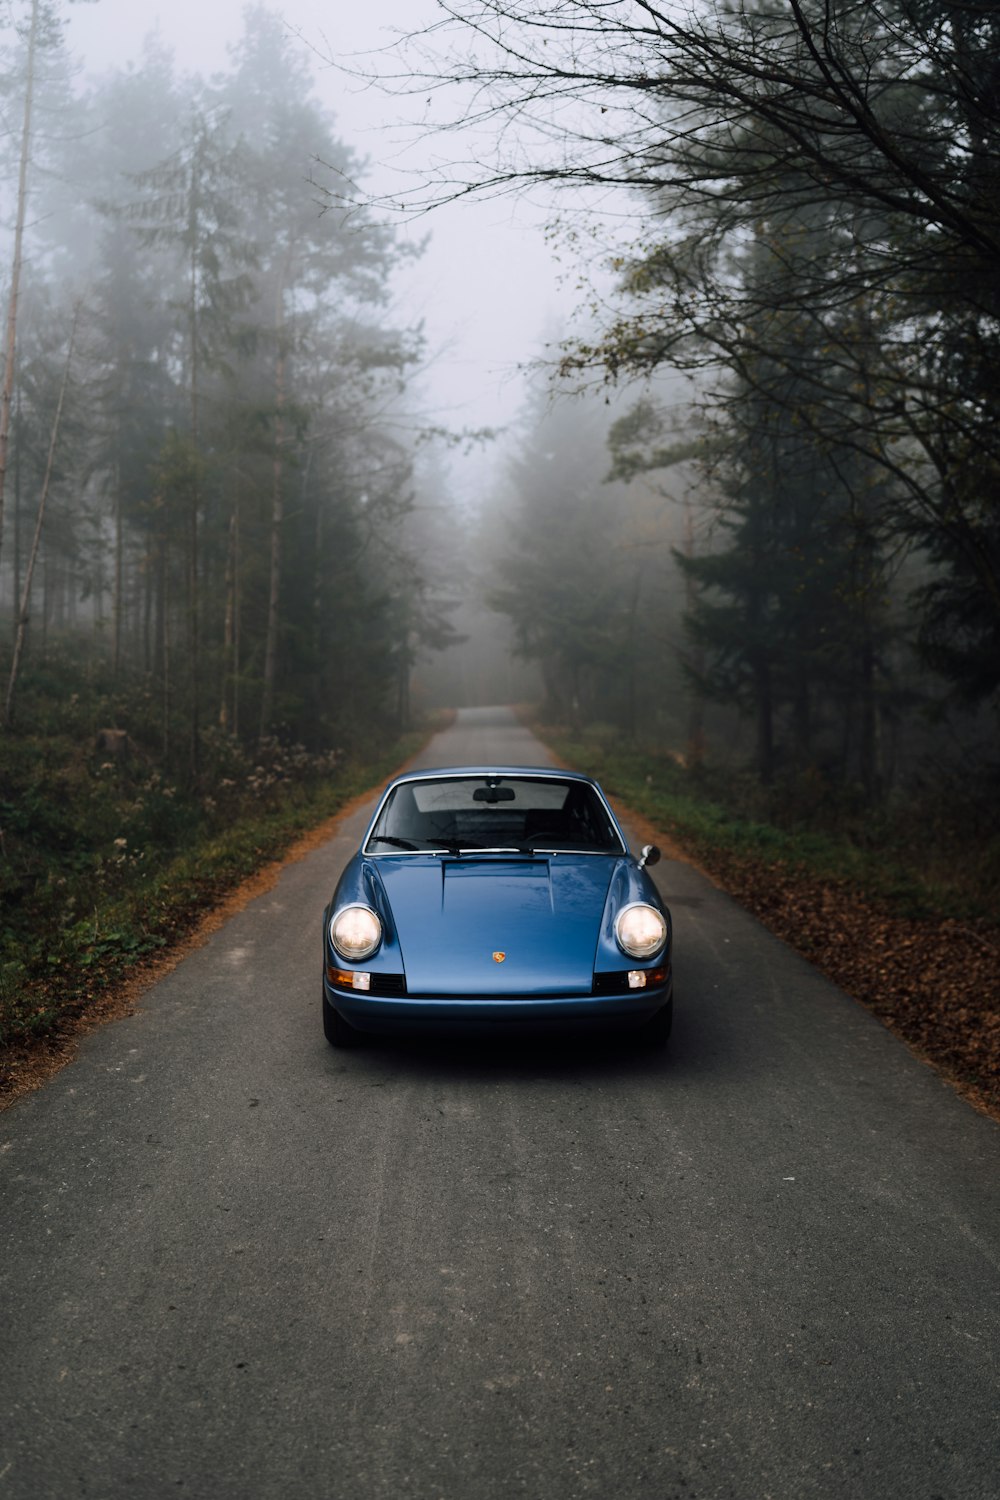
{"x": 348, "y": 979}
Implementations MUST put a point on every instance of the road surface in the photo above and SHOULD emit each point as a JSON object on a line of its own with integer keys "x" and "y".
{"x": 236, "y": 1264}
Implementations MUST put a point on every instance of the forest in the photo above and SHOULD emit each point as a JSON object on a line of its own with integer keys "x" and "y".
{"x": 207, "y": 446}
{"x": 206, "y": 464}
{"x": 812, "y": 242}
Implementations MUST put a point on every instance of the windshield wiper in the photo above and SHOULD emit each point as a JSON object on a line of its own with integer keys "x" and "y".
{"x": 451, "y": 846}
{"x": 573, "y": 849}
{"x": 425, "y": 846}
{"x": 492, "y": 849}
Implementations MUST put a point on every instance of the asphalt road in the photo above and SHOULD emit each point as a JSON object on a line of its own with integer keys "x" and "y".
{"x": 236, "y": 1263}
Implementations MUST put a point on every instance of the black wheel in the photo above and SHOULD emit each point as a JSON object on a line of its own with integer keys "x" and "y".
{"x": 656, "y": 1031}
{"x": 338, "y": 1032}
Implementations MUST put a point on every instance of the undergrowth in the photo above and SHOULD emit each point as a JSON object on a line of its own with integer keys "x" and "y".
{"x": 936, "y": 852}
{"x": 108, "y": 856}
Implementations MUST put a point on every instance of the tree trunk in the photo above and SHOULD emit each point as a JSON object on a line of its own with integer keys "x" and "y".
{"x": 18, "y": 509}
{"x": 237, "y": 636}
{"x": 695, "y": 753}
{"x": 117, "y": 581}
{"x": 802, "y": 718}
{"x": 194, "y": 637}
{"x": 147, "y": 611}
{"x": 23, "y": 613}
{"x": 764, "y": 710}
{"x": 277, "y": 522}
{"x": 160, "y": 583}
{"x": 574, "y": 697}
{"x": 229, "y": 618}
{"x": 870, "y": 768}
{"x": 631, "y": 693}
{"x": 15, "y": 276}
{"x": 194, "y": 640}
{"x": 403, "y": 691}
{"x": 161, "y": 625}
{"x": 166, "y": 670}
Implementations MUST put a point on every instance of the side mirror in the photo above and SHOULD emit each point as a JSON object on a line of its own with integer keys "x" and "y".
{"x": 650, "y": 856}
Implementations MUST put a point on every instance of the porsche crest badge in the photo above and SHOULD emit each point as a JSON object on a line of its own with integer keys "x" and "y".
{"x": 498, "y": 958}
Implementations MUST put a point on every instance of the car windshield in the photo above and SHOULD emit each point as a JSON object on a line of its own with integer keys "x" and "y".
{"x": 525, "y": 814}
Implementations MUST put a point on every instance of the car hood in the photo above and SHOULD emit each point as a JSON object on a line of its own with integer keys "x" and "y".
{"x": 455, "y": 917}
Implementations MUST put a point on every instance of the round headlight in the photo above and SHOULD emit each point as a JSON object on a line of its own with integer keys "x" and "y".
{"x": 640, "y": 930}
{"x": 355, "y": 932}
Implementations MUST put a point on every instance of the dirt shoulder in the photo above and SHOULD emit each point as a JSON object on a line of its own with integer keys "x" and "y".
{"x": 935, "y": 982}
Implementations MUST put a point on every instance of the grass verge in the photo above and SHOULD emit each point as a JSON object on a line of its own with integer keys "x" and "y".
{"x": 910, "y": 861}
{"x": 899, "y": 911}
{"x": 85, "y": 924}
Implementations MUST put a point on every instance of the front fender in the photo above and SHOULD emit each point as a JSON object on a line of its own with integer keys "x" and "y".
{"x": 360, "y": 885}
{"x": 628, "y": 885}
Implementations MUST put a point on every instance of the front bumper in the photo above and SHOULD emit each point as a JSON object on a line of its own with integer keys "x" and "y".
{"x": 507, "y": 1013}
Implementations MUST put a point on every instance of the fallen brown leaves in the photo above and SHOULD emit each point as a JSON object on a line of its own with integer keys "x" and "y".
{"x": 935, "y": 982}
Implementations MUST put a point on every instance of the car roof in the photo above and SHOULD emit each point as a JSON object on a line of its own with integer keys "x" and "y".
{"x": 431, "y": 773}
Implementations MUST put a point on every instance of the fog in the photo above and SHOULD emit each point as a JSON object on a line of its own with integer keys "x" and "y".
{"x": 487, "y": 287}
{"x": 489, "y": 293}
{"x": 293, "y": 451}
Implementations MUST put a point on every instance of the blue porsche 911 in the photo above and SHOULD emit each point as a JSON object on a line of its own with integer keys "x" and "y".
{"x": 495, "y": 898}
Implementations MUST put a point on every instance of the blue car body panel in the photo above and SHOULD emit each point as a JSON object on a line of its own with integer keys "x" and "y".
{"x": 453, "y": 915}
{"x": 488, "y": 938}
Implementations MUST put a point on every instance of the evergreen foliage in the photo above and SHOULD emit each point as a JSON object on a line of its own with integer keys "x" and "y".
{"x": 815, "y": 238}
{"x": 230, "y": 473}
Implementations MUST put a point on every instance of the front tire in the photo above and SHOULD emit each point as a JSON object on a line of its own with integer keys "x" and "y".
{"x": 656, "y": 1031}
{"x": 338, "y": 1032}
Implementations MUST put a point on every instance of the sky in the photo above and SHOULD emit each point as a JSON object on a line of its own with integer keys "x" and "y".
{"x": 488, "y": 287}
